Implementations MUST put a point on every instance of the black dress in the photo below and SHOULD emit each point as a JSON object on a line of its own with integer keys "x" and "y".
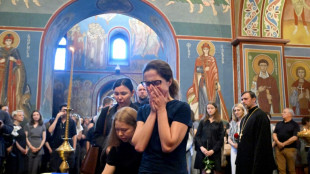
{"x": 125, "y": 159}
{"x": 210, "y": 136}
{"x": 16, "y": 161}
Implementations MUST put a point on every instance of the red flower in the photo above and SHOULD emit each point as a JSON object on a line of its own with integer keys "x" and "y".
{"x": 236, "y": 135}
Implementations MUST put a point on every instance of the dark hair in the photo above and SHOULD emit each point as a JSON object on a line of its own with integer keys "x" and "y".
{"x": 252, "y": 94}
{"x": 263, "y": 61}
{"x": 1, "y": 105}
{"x": 217, "y": 116}
{"x": 8, "y": 36}
{"x": 107, "y": 100}
{"x": 62, "y": 105}
{"x": 304, "y": 120}
{"x": 125, "y": 82}
{"x": 300, "y": 68}
{"x": 31, "y": 118}
{"x": 164, "y": 70}
{"x": 126, "y": 115}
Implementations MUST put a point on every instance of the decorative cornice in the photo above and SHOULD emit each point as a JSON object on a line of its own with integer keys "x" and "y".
{"x": 236, "y": 41}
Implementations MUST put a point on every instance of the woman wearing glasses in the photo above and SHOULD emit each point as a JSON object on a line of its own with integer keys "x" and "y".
{"x": 123, "y": 91}
{"x": 162, "y": 126}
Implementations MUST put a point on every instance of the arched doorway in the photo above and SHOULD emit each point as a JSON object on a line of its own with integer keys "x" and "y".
{"x": 74, "y": 12}
{"x": 101, "y": 88}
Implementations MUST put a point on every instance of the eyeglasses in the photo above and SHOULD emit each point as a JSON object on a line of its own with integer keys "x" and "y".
{"x": 154, "y": 83}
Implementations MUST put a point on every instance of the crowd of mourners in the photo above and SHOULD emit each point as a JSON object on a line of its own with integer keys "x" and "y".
{"x": 156, "y": 134}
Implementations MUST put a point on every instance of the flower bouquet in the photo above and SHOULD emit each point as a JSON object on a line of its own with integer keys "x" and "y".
{"x": 236, "y": 136}
{"x": 209, "y": 164}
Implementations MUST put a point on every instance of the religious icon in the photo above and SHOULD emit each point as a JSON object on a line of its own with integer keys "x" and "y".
{"x": 299, "y": 96}
{"x": 206, "y": 87}
{"x": 14, "y": 91}
{"x": 265, "y": 85}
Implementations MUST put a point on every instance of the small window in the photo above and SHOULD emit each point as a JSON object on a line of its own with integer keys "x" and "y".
{"x": 60, "y": 57}
{"x": 119, "y": 49}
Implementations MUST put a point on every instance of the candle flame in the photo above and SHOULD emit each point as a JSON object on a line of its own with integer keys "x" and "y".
{"x": 71, "y": 48}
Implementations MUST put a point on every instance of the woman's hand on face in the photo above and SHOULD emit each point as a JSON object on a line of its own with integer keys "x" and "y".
{"x": 153, "y": 109}
{"x": 151, "y": 99}
{"x": 159, "y": 99}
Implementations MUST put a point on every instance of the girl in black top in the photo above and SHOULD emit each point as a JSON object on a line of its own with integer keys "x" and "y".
{"x": 123, "y": 91}
{"x": 122, "y": 156}
{"x": 209, "y": 139}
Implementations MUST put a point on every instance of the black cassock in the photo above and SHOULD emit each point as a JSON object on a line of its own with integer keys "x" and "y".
{"x": 255, "y": 155}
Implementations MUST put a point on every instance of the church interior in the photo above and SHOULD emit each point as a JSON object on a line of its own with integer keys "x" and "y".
{"x": 247, "y": 38}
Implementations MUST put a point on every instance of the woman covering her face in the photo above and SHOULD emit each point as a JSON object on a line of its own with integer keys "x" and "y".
{"x": 122, "y": 156}
{"x": 162, "y": 126}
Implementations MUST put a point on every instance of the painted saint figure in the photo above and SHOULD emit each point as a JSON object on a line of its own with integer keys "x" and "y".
{"x": 265, "y": 87}
{"x": 77, "y": 39}
{"x": 300, "y": 97}
{"x": 299, "y": 6}
{"x": 14, "y": 91}
{"x": 10, "y": 69}
{"x": 224, "y": 3}
{"x": 206, "y": 87}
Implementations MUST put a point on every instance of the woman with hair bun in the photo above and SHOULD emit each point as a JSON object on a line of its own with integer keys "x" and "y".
{"x": 163, "y": 125}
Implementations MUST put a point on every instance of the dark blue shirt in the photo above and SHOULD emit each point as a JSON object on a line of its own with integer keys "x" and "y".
{"x": 154, "y": 160}
{"x": 285, "y": 130}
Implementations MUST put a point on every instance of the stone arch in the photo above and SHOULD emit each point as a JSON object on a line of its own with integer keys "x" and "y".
{"x": 75, "y": 11}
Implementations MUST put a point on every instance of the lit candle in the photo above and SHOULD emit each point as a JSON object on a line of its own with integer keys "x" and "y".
{"x": 71, "y": 74}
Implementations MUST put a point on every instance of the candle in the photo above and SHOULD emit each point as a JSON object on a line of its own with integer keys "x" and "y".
{"x": 71, "y": 74}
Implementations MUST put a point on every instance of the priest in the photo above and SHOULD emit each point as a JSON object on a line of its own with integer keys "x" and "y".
{"x": 254, "y": 154}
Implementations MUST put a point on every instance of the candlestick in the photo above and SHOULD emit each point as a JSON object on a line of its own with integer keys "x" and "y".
{"x": 65, "y": 149}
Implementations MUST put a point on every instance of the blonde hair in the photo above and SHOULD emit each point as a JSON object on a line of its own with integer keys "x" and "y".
{"x": 239, "y": 105}
{"x": 78, "y": 122}
{"x": 14, "y": 113}
{"x": 126, "y": 115}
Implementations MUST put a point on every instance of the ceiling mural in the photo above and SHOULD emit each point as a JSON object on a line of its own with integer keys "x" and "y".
{"x": 31, "y": 6}
{"x": 90, "y": 38}
{"x": 189, "y": 16}
{"x": 296, "y": 22}
{"x": 28, "y": 13}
